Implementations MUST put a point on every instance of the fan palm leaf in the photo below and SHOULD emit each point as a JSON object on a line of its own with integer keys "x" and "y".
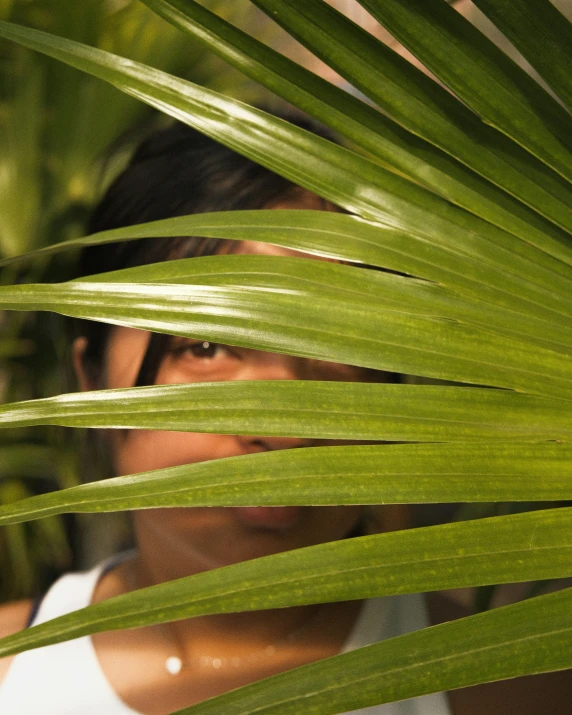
{"x": 467, "y": 193}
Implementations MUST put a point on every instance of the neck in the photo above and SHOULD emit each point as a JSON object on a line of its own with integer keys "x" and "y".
{"x": 216, "y": 633}
{"x": 166, "y": 553}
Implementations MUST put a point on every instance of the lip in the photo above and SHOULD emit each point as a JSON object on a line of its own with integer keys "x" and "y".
{"x": 268, "y": 517}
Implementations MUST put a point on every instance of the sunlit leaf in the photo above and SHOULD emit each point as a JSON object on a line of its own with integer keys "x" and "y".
{"x": 423, "y": 106}
{"x": 357, "y": 121}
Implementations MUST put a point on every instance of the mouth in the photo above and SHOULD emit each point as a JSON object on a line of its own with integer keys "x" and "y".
{"x": 268, "y": 517}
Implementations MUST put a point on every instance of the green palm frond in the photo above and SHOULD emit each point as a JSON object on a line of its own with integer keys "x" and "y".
{"x": 467, "y": 193}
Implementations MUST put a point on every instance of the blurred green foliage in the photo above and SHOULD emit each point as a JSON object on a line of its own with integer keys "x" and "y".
{"x": 63, "y": 136}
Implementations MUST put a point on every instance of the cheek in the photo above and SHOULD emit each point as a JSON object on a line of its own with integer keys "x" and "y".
{"x": 343, "y": 519}
{"x": 123, "y": 356}
{"x": 143, "y": 450}
{"x": 331, "y": 523}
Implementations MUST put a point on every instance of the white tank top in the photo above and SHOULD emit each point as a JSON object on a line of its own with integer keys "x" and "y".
{"x": 67, "y": 679}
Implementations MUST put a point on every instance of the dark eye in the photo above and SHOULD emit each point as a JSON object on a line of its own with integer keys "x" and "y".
{"x": 197, "y": 351}
{"x": 204, "y": 349}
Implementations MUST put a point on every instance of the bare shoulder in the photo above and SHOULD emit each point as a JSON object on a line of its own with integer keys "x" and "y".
{"x": 13, "y": 618}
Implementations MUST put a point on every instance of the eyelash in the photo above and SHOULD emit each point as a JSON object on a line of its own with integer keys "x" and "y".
{"x": 200, "y": 349}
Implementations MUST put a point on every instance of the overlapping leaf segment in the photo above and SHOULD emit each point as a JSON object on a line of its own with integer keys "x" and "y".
{"x": 466, "y": 192}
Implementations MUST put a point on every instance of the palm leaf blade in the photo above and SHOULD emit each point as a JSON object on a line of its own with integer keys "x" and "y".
{"x": 504, "y": 643}
{"x": 510, "y": 548}
{"x": 305, "y": 323}
{"x": 385, "y": 474}
{"x": 342, "y": 176}
{"x": 356, "y": 121}
{"x": 422, "y": 106}
{"x": 316, "y": 410}
{"x": 482, "y": 76}
{"x": 541, "y": 34}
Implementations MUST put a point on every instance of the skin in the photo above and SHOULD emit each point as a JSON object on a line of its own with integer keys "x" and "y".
{"x": 220, "y": 536}
{"x": 178, "y": 542}
{"x": 173, "y": 543}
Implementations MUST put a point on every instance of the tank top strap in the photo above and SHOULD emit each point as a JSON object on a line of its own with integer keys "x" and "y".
{"x": 69, "y": 593}
{"x": 74, "y": 590}
{"x": 64, "y": 678}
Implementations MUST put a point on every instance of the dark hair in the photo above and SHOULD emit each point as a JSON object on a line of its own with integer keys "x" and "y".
{"x": 176, "y": 171}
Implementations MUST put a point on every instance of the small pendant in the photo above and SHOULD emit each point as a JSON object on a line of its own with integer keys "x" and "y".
{"x": 173, "y": 665}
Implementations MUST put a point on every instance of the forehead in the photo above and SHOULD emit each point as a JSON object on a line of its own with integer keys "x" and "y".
{"x": 254, "y": 248}
{"x": 301, "y": 200}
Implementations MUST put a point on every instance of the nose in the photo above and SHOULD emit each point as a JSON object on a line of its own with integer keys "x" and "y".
{"x": 273, "y": 366}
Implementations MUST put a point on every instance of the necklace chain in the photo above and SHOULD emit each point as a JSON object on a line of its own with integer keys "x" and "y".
{"x": 174, "y": 665}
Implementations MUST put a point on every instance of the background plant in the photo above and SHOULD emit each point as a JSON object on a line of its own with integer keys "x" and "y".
{"x": 59, "y": 147}
{"x": 466, "y": 196}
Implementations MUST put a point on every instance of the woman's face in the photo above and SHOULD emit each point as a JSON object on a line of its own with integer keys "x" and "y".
{"x": 219, "y": 536}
